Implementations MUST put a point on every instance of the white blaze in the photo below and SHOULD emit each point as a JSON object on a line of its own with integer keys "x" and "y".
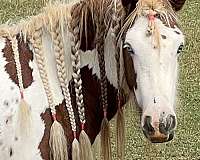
{"x": 156, "y": 69}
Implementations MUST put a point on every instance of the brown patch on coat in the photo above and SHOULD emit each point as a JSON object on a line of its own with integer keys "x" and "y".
{"x": 82, "y": 16}
{"x": 63, "y": 118}
{"x": 163, "y": 36}
{"x": 91, "y": 92}
{"x": 25, "y": 56}
{"x": 93, "y": 111}
{"x": 89, "y": 31}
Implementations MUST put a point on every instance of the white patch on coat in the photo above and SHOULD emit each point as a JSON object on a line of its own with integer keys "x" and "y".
{"x": 51, "y": 67}
{"x": 156, "y": 72}
{"x": 9, "y": 101}
{"x": 90, "y": 58}
{"x": 67, "y": 48}
{"x": 110, "y": 60}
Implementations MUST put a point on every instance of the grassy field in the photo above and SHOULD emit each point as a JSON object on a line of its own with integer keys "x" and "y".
{"x": 186, "y": 145}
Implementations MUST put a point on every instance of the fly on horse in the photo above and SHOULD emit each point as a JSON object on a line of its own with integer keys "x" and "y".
{"x": 69, "y": 70}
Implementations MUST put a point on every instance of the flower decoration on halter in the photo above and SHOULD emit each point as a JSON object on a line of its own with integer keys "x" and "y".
{"x": 151, "y": 25}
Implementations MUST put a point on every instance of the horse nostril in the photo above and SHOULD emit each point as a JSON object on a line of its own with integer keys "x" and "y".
{"x": 162, "y": 128}
{"x": 171, "y": 136}
{"x": 147, "y": 125}
{"x": 171, "y": 122}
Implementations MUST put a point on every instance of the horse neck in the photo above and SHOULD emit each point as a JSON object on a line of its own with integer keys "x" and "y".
{"x": 93, "y": 16}
{"x": 89, "y": 25}
{"x": 106, "y": 19}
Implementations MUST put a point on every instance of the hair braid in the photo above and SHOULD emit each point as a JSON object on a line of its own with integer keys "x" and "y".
{"x": 37, "y": 44}
{"x": 62, "y": 74}
{"x": 120, "y": 138}
{"x": 24, "y": 116}
{"x": 85, "y": 145}
{"x": 105, "y": 128}
{"x": 75, "y": 26}
{"x": 57, "y": 141}
{"x": 103, "y": 79}
{"x": 17, "y": 62}
{"x": 115, "y": 30}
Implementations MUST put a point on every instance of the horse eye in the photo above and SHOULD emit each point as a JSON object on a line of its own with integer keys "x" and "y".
{"x": 129, "y": 48}
{"x": 180, "y": 49}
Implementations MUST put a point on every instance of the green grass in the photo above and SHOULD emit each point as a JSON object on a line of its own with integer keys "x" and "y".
{"x": 186, "y": 145}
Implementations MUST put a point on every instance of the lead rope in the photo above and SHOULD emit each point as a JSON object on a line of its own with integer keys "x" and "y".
{"x": 57, "y": 140}
{"x": 120, "y": 124}
{"x": 85, "y": 144}
{"x": 24, "y": 117}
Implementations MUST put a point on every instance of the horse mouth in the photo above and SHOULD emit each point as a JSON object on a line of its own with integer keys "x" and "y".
{"x": 158, "y": 137}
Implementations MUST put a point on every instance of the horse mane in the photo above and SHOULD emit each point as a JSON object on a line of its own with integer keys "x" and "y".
{"x": 53, "y": 12}
{"x": 101, "y": 9}
{"x": 80, "y": 12}
{"x": 98, "y": 13}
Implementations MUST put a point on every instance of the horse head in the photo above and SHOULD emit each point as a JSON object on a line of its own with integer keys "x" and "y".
{"x": 152, "y": 43}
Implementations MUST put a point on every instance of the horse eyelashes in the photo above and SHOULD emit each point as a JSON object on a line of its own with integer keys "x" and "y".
{"x": 129, "y": 48}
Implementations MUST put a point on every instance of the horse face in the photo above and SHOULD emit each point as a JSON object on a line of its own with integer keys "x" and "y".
{"x": 156, "y": 77}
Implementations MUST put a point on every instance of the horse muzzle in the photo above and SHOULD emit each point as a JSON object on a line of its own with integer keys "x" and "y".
{"x": 159, "y": 132}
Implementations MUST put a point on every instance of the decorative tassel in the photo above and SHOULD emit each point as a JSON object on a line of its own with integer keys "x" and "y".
{"x": 120, "y": 134}
{"x": 75, "y": 149}
{"x": 24, "y": 118}
{"x": 105, "y": 138}
{"x": 97, "y": 147}
{"x": 85, "y": 146}
{"x": 57, "y": 141}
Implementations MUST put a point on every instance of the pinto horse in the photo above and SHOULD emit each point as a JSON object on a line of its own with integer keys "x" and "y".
{"x": 66, "y": 57}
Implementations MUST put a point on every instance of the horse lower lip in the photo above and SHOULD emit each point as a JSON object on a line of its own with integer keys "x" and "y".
{"x": 158, "y": 137}
{"x": 157, "y": 141}
{"x": 167, "y": 139}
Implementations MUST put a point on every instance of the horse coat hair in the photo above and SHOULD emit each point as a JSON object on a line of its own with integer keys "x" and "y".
{"x": 67, "y": 17}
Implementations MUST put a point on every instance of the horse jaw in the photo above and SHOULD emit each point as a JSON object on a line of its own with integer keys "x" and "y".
{"x": 156, "y": 69}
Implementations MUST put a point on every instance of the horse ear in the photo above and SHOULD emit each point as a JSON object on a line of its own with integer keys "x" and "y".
{"x": 125, "y": 3}
{"x": 129, "y": 5}
{"x": 177, "y": 4}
